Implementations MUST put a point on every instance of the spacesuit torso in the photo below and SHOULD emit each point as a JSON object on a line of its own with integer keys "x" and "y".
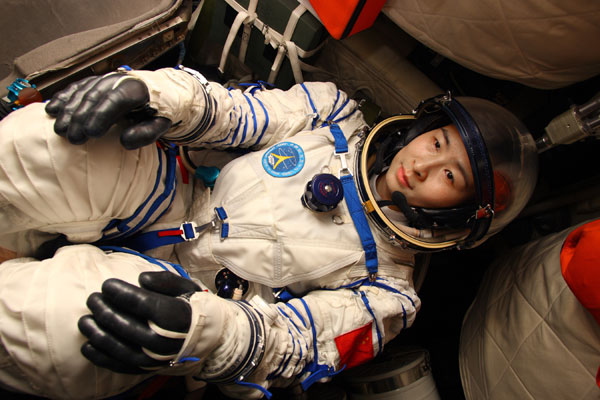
{"x": 272, "y": 238}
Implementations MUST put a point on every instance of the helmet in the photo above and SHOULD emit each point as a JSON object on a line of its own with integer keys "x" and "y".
{"x": 503, "y": 159}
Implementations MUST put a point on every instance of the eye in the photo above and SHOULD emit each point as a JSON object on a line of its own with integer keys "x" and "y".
{"x": 450, "y": 175}
{"x": 437, "y": 144}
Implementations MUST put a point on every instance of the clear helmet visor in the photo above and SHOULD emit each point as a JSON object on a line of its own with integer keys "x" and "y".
{"x": 502, "y": 156}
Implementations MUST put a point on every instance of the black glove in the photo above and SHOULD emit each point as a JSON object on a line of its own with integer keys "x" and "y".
{"x": 88, "y": 108}
{"x": 121, "y": 317}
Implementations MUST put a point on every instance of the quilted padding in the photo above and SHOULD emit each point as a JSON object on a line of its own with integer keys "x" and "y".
{"x": 545, "y": 44}
{"x": 526, "y": 336}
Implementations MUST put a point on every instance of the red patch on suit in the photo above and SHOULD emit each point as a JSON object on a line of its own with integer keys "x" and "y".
{"x": 355, "y": 347}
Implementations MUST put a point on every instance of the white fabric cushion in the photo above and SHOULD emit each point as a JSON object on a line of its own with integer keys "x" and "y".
{"x": 526, "y": 336}
{"x": 540, "y": 43}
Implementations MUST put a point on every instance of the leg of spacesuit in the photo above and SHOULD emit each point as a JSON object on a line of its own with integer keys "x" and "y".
{"x": 49, "y": 186}
{"x": 40, "y": 304}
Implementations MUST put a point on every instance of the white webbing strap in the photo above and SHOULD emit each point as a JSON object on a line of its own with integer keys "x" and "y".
{"x": 287, "y": 44}
{"x": 292, "y": 54}
{"x": 247, "y": 29}
{"x": 194, "y": 16}
{"x": 235, "y": 27}
{"x": 281, "y": 42}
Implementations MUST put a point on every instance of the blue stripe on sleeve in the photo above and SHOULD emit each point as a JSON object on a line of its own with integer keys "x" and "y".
{"x": 337, "y": 97}
{"x": 338, "y": 110}
{"x": 122, "y": 226}
{"x": 312, "y": 105}
{"x": 151, "y": 260}
{"x": 297, "y": 313}
{"x": 264, "y": 129}
{"x": 235, "y": 133}
{"x": 245, "y": 127}
{"x": 363, "y": 296}
{"x": 253, "y": 114}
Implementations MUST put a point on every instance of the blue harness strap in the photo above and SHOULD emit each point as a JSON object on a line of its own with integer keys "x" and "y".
{"x": 153, "y": 239}
{"x": 354, "y": 204}
{"x": 350, "y": 191}
{"x": 361, "y": 224}
{"x": 186, "y": 232}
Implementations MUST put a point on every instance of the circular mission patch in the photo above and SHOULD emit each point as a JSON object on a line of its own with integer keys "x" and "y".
{"x": 283, "y": 160}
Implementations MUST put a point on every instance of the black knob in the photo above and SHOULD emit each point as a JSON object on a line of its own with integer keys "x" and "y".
{"x": 323, "y": 193}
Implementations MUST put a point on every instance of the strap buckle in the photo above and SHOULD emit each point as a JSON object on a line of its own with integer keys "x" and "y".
{"x": 484, "y": 212}
{"x": 198, "y": 76}
{"x": 344, "y": 170}
{"x": 189, "y": 231}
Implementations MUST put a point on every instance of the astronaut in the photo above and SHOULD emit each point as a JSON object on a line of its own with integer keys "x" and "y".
{"x": 309, "y": 238}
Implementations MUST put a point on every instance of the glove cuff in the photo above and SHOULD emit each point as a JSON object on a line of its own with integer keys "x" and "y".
{"x": 229, "y": 336}
{"x": 181, "y": 97}
{"x": 243, "y": 362}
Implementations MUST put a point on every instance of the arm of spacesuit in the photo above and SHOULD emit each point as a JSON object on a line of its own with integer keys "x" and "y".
{"x": 325, "y": 331}
{"x": 252, "y": 344}
{"x": 258, "y": 118}
{"x": 48, "y": 186}
{"x": 191, "y": 110}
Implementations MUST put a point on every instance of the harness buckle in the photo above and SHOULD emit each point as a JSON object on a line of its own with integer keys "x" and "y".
{"x": 189, "y": 231}
{"x": 344, "y": 170}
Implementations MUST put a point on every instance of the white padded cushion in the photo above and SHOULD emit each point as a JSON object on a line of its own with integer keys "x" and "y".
{"x": 539, "y": 43}
{"x": 526, "y": 336}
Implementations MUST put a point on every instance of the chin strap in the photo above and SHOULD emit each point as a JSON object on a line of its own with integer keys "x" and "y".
{"x": 415, "y": 217}
{"x": 422, "y": 218}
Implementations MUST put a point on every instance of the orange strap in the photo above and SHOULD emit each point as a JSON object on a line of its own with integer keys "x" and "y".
{"x": 343, "y": 18}
{"x": 580, "y": 266}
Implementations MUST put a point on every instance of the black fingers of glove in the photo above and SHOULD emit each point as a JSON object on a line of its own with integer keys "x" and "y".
{"x": 108, "y": 351}
{"x": 129, "y": 326}
{"x": 64, "y": 103}
{"x": 167, "y": 283}
{"x": 59, "y": 100}
{"x": 89, "y": 108}
{"x": 120, "y": 324}
{"x": 104, "y": 104}
{"x": 143, "y": 132}
{"x": 167, "y": 312}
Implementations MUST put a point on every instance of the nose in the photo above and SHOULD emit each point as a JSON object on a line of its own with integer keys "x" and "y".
{"x": 424, "y": 166}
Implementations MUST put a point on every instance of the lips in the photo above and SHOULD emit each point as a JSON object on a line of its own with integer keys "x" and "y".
{"x": 401, "y": 176}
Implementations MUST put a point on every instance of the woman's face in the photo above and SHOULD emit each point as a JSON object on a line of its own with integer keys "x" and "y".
{"x": 432, "y": 171}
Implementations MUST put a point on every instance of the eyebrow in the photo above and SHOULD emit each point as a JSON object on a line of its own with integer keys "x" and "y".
{"x": 461, "y": 167}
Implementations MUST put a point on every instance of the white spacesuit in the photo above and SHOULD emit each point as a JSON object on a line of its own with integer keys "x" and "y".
{"x": 349, "y": 277}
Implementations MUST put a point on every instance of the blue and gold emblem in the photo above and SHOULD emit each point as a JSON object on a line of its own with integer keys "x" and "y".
{"x": 283, "y": 160}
